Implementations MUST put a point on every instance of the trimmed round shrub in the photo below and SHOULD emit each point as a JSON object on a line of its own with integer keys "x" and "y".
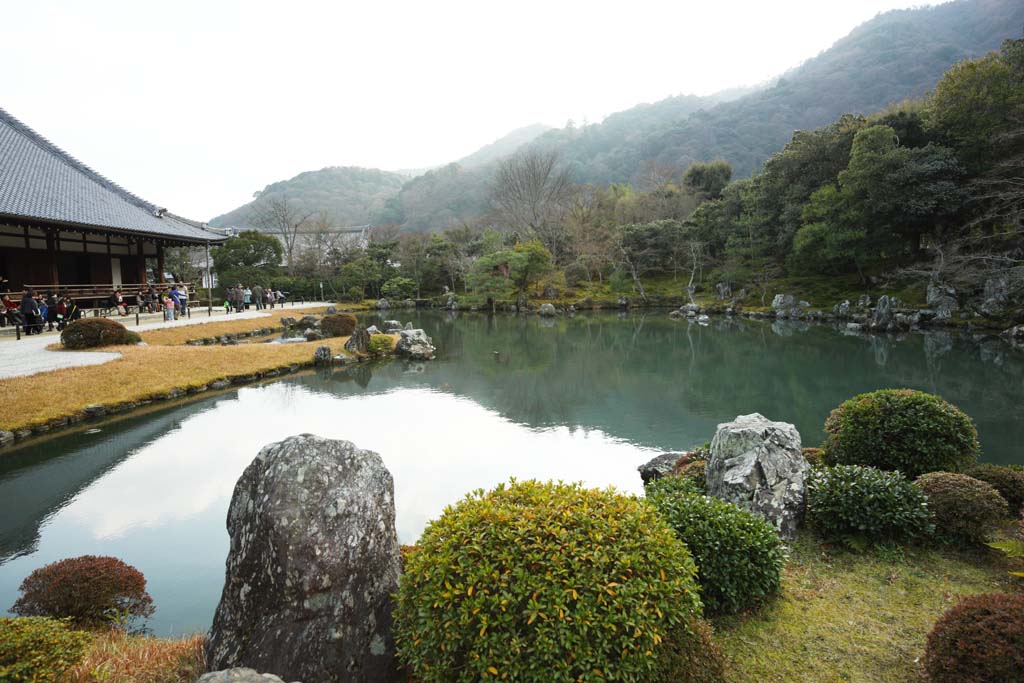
{"x": 691, "y": 655}
{"x": 694, "y": 472}
{"x": 739, "y": 555}
{"x": 1009, "y": 482}
{"x": 854, "y": 501}
{"x": 91, "y": 591}
{"x": 38, "y": 649}
{"x": 380, "y": 344}
{"x": 963, "y": 508}
{"x": 981, "y": 640}
{"x": 338, "y": 324}
{"x": 543, "y": 582}
{"x": 89, "y": 333}
{"x": 901, "y": 429}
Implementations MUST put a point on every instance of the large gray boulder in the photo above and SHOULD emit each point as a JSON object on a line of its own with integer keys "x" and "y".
{"x": 548, "y": 310}
{"x": 239, "y": 675}
{"x": 391, "y": 326}
{"x": 359, "y": 342}
{"x": 882, "y": 316}
{"x": 415, "y": 345}
{"x": 997, "y": 295}
{"x": 783, "y": 301}
{"x": 758, "y": 465}
{"x": 312, "y": 566}
{"x": 323, "y": 356}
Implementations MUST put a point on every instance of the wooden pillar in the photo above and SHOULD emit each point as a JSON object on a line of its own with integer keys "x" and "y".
{"x": 51, "y": 258}
{"x": 160, "y": 262}
{"x": 140, "y": 267}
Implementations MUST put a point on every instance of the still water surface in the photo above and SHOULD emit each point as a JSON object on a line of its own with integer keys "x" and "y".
{"x": 582, "y": 399}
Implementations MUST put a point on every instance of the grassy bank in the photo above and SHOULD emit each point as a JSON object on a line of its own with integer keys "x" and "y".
{"x": 855, "y": 617}
{"x": 170, "y": 336}
{"x": 114, "y": 657}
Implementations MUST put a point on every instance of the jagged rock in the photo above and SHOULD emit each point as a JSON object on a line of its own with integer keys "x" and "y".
{"x": 382, "y": 304}
{"x": 623, "y": 302}
{"x": 287, "y": 322}
{"x": 690, "y": 310}
{"x": 675, "y": 314}
{"x": 392, "y": 326}
{"x": 723, "y": 290}
{"x": 783, "y": 301}
{"x": 758, "y": 465}
{"x": 241, "y": 675}
{"x": 942, "y": 300}
{"x": 331, "y": 310}
{"x": 730, "y": 311}
{"x": 359, "y": 342}
{"x": 547, "y": 310}
{"x": 452, "y": 304}
{"x": 658, "y": 467}
{"x": 854, "y": 327}
{"x": 312, "y": 335}
{"x": 416, "y": 345}
{"x": 408, "y": 326}
{"x": 323, "y": 355}
{"x": 997, "y": 294}
{"x": 372, "y": 329}
{"x": 703, "y": 319}
{"x": 306, "y": 322}
{"x": 312, "y": 566}
{"x": 342, "y": 359}
{"x": 6, "y": 437}
{"x": 864, "y": 301}
{"x": 882, "y": 316}
{"x": 842, "y": 309}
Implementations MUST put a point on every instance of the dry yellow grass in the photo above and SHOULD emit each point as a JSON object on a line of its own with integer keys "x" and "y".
{"x": 172, "y": 336}
{"x": 142, "y": 373}
{"x": 114, "y": 657}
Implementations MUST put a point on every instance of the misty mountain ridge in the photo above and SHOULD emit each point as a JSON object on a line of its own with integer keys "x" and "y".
{"x": 894, "y": 56}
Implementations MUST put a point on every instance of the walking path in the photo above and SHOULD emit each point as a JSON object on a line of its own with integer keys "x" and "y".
{"x": 29, "y": 355}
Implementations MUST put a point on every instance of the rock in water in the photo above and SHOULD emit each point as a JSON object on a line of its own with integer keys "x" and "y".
{"x": 758, "y": 465}
{"x": 882, "y": 316}
{"x": 415, "y": 344}
{"x": 942, "y": 299}
{"x": 548, "y": 310}
{"x": 312, "y": 566}
{"x": 391, "y": 326}
{"x": 783, "y": 301}
{"x": 658, "y": 467}
{"x": 323, "y": 356}
{"x": 359, "y": 342}
{"x": 383, "y": 304}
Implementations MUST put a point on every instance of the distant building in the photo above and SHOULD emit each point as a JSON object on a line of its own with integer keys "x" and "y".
{"x": 64, "y": 226}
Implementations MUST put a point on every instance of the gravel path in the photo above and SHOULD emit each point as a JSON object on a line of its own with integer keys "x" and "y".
{"x": 29, "y": 356}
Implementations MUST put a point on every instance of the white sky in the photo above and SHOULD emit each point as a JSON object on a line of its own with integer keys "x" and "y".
{"x": 196, "y": 104}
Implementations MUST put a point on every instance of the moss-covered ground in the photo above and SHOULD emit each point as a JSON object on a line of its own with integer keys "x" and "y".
{"x": 848, "y": 617}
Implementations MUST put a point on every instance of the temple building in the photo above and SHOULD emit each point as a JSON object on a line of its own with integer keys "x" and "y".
{"x": 65, "y": 227}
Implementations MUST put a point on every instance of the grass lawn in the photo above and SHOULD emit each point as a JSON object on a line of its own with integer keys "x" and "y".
{"x": 855, "y": 617}
{"x": 169, "y": 336}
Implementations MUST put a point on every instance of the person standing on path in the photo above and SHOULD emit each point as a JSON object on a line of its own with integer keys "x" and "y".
{"x": 257, "y": 297}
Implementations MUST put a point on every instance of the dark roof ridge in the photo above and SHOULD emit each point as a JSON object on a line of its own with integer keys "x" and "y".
{"x": 50, "y": 147}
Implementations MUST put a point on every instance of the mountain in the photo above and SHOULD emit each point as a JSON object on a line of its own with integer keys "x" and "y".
{"x": 894, "y": 56}
{"x": 350, "y": 195}
{"x": 504, "y": 146}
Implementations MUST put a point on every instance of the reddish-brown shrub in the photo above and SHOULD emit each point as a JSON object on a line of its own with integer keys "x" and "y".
{"x": 815, "y": 456}
{"x": 338, "y": 324}
{"x": 964, "y": 509}
{"x": 981, "y": 640}
{"x": 91, "y": 591}
{"x": 1009, "y": 482}
{"x": 691, "y": 655}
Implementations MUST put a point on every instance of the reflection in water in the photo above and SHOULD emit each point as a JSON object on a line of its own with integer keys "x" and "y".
{"x": 582, "y": 399}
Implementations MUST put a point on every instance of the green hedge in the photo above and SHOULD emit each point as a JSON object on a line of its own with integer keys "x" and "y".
{"x": 901, "y": 429}
{"x": 38, "y": 649}
{"x": 543, "y": 583}
{"x": 739, "y": 555}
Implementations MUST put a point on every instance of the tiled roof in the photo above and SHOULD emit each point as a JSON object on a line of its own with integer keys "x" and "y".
{"x": 41, "y": 181}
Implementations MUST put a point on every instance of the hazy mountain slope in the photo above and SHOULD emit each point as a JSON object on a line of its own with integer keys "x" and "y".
{"x": 350, "y": 195}
{"x": 504, "y": 145}
{"x": 896, "y": 55}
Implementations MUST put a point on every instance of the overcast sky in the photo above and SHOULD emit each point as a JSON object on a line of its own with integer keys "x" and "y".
{"x": 196, "y": 104}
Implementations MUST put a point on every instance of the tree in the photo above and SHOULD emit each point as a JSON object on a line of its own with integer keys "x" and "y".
{"x": 494, "y": 275}
{"x": 181, "y": 263}
{"x": 530, "y": 192}
{"x": 359, "y": 274}
{"x": 644, "y": 248}
{"x": 708, "y": 178}
{"x": 248, "y": 257}
{"x": 278, "y": 217}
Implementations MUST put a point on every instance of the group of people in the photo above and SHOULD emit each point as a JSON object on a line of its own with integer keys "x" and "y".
{"x": 37, "y": 311}
{"x": 173, "y": 302}
{"x": 240, "y": 298}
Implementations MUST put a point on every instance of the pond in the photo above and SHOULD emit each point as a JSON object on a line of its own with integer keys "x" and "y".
{"x": 586, "y": 399}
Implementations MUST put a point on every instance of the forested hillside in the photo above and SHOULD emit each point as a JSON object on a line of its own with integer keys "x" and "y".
{"x": 346, "y": 195}
{"x": 894, "y": 56}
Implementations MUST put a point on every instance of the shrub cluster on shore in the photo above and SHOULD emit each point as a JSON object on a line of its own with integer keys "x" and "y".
{"x": 536, "y": 581}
